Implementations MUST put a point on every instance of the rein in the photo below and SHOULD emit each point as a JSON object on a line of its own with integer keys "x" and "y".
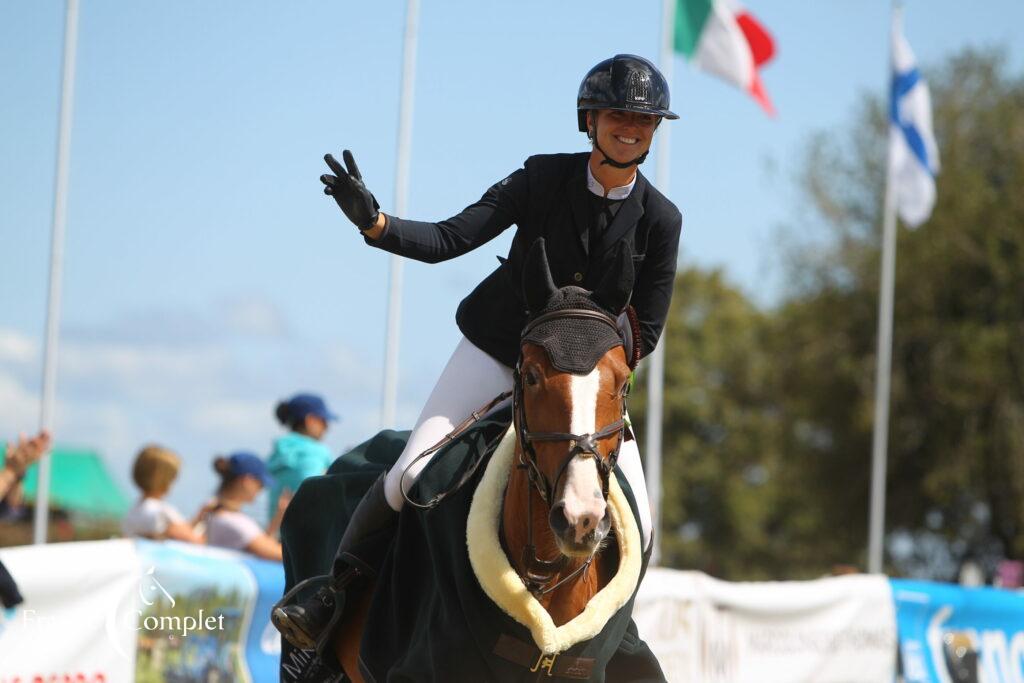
{"x": 474, "y": 417}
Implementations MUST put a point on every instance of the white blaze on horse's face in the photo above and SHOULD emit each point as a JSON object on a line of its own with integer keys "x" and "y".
{"x": 582, "y": 495}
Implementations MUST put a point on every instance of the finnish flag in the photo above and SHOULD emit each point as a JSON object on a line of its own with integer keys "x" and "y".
{"x": 913, "y": 154}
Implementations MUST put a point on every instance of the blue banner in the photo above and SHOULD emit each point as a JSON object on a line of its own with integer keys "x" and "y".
{"x": 205, "y": 614}
{"x": 263, "y": 644}
{"x": 948, "y": 633}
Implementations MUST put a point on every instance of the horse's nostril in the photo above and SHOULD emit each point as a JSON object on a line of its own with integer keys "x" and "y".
{"x": 558, "y": 520}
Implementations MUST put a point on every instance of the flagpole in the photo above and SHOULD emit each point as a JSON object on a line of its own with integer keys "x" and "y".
{"x": 390, "y": 391}
{"x": 883, "y": 369}
{"x": 656, "y": 361}
{"x": 60, "y": 201}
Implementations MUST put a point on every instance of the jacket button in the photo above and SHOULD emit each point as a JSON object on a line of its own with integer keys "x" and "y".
{"x": 578, "y": 277}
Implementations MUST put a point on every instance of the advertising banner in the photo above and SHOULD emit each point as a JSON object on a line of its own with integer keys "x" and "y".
{"x": 67, "y": 627}
{"x": 950, "y": 634}
{"x": 122, "y": 610}
{"x": 263, "y": 643}
{"x": 832, "y": 630}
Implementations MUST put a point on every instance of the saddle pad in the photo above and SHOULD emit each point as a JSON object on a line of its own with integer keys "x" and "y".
{"x": 501, "y": 583}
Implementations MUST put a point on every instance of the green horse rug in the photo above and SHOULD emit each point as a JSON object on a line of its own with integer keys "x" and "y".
{"x": 447, "y": 606}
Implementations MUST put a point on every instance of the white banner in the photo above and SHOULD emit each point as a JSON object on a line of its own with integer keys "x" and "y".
{"x": 113, "y": 611}
{"x": 832, "y": 630}
{"x": 66, "y": 630}
{"x": 134, "y": 610}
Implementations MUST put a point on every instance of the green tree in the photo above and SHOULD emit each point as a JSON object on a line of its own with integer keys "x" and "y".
{"x": 720, "y": 461}
{"x": 768, "y": 414}
{"x": 956, "y": 447}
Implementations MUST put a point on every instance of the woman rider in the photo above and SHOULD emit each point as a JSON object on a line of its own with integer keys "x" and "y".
{"x": 583, "y": 205}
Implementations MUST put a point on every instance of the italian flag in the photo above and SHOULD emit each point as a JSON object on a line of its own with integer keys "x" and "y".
{"x": 721, "y": 37}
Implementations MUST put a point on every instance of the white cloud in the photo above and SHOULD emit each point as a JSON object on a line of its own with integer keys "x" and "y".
{"x": 140, "y": 371}
{"x": 20, "y": 413}
{"x": 139, "y": 378}
{"x": 347, "y": 370}
{"x": 236, "y": 420}
{"x": 16, "y": 347}
{"x": 107, "y": 427}
{"x": 255, "y": 317}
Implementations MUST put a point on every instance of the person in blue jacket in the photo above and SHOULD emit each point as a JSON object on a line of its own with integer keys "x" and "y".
{"x": 300, "y": 453}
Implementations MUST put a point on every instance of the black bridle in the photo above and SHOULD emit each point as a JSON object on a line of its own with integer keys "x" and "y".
{"x": 538, "y": 571}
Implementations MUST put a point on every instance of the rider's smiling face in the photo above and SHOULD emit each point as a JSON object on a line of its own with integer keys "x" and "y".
{"x": 624, "y": 135}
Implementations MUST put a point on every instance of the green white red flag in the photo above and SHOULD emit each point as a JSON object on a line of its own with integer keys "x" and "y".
{"x": 723, "y": 38}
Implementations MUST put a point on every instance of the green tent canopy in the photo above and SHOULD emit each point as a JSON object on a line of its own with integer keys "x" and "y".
{"x": 79, "y": 483}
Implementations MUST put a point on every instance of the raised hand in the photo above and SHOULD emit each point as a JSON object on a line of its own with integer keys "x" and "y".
{"x": 348, "y": 190}
{"x": 20, "y": 455}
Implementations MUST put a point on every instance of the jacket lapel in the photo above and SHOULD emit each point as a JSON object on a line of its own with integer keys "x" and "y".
{"x": 579, "y": 200}
{"x": 626, "y": 219}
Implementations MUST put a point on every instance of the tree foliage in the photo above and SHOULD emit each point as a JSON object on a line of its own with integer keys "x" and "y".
{"x": 721, "y": 467}
{"x": 768, "y": 414}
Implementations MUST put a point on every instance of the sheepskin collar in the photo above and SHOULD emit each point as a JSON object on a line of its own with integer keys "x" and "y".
{"x": 504, "y": 587}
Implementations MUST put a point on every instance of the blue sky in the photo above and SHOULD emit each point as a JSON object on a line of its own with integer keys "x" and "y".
{"x": 206, "y": 276}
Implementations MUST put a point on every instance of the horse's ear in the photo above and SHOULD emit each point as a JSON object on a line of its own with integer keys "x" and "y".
{"x": 616, "y": 285}
{"x": 538, "y": 285}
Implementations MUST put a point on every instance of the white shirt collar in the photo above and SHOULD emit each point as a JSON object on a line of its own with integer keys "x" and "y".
{"x": 614, "y": 193}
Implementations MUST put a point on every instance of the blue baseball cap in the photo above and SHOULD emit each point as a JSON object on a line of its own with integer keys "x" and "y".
{"x": 244, "y": 463}
{"x": 301, "y": 405}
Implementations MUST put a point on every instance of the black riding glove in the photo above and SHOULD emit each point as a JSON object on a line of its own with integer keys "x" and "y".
{"x": 348, "y": 190}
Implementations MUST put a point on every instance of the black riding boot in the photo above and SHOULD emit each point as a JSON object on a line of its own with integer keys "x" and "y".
{"x": 360, "y": 554}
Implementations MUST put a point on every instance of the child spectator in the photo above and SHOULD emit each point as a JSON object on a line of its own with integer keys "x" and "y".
{"x": 152, "y": 517}
{"x": 300, "y": 453}
{"x": 243, "y": 476}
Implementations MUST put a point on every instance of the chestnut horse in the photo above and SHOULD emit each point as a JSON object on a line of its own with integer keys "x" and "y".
{"x": 569, "y": 392}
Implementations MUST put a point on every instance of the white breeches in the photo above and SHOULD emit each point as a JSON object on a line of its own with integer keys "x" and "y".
{"x": 469, "y": 380}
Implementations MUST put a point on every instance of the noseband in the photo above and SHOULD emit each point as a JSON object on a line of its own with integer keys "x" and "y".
{"x": 539, "y": 572}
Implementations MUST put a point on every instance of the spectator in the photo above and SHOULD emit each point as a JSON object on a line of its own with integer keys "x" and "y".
{"x": 300, "y": 453}
{"x": 152, "y": 517}
{"x": 17, "y": 457}
{"x": 243, "y": 476}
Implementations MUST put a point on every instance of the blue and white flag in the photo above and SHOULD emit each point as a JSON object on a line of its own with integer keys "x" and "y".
{"x": 913, "y": 154}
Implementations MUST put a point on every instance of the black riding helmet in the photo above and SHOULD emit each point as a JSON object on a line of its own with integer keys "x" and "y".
{"x": 624, "y": 83}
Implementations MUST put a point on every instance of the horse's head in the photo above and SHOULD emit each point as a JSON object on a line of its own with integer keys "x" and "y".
{"x": 570, "y": 386}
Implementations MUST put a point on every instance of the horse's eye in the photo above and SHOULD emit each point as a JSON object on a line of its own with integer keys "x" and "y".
{"x": 530, "y": 378}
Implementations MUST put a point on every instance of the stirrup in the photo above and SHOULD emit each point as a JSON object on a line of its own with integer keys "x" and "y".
{"x": 296, "y": 634}
{"x": 318, "y": 642}
{"x": 289, "y": 597}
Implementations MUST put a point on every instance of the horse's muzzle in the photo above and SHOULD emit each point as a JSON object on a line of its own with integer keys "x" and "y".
{"x": 581, "y": 539}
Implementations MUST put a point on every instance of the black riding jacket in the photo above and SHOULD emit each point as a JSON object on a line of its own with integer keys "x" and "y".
{"x": 549, "y": 198}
